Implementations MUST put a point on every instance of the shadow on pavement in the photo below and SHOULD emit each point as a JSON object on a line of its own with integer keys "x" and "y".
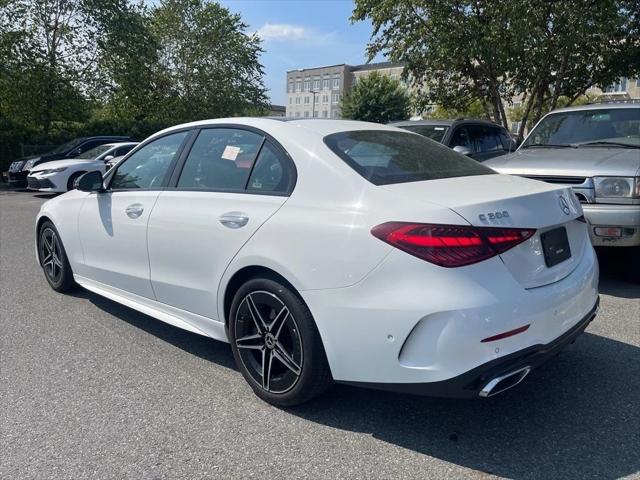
{"x": 203, "y": 347}
{"x": 575, "y": 417}
{"x": 615, "y": 273}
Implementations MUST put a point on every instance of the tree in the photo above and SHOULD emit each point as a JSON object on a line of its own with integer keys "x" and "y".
{"x": 459, "y": 51}
{"x": 209, "y": 64}
{"x": 51, "y": 57}
{"x": 376, "y": 98}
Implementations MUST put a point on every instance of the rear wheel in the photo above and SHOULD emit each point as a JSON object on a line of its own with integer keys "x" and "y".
{"x": 53, "y": 259}
{"x": 276, "y": 344}
{"x": 72, "y": 180}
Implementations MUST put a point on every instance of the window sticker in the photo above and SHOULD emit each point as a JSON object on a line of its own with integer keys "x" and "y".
{"x": 231, "y": 153}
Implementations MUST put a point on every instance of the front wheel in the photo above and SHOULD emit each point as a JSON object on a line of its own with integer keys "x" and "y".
{"x": 53, "y": 259}
{"x": 276, "y": 344}
{"x": 72, "y": 180}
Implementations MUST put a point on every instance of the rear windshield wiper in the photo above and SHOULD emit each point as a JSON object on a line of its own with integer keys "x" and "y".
{"x": 605, "y": 143}
{"x": 547, "y": 145}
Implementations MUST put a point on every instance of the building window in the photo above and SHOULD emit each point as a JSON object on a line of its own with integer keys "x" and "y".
{"x": 306, "y": 100}
{"x": 298, "y": 85}
{"x": 307, "y": 84}
{"x": 290, "y": 89}
{"x": 297, "y": 114}
{"x": 290, "y": 100}
{"x": 316, "y": 83}
{"x": 619, "y": 86}
{"x": 325, "y": 114}
{"x": 336, "y": 97}
{"x": 336, "y": 82}
{"x": 306, "y": 114}
{"x": 335, "y": 114}
{"x": 325, "y": 83}
{"x": 297, "y": 100}
{"x": 325, "y": 98}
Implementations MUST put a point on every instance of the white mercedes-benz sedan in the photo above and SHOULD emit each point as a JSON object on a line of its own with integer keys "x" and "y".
{"x": 330, "y": 250}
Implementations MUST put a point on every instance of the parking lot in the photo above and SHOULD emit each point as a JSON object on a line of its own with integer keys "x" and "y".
{"x": 90, "y": 388}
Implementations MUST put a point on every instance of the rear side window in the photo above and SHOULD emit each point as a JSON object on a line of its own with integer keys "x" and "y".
{"x": 385, "y": 157}
{"x": 220, "y": 159}
{"x": 272, "y": 172}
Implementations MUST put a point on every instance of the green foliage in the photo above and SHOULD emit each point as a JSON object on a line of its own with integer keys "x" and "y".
{"x": 477, "y": 109}
{"x": 376, "y": 98}
{"x": 89, "y": 67}
{"x": 458, "y": 51}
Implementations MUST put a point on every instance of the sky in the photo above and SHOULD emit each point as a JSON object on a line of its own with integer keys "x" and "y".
{"x": 301, "y": 34}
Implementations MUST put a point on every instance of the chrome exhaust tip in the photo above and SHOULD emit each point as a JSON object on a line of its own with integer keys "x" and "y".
{"x": 504, "y": 382}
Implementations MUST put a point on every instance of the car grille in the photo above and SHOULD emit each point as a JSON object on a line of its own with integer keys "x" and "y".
{"x": 562, "y": 180}
{"x": 36, "y": 184}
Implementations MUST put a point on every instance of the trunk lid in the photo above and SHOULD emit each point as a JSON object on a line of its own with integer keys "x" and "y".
{"x": 514, "y": 202}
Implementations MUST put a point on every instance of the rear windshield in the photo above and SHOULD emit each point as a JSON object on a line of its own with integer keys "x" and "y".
{"x": 434, "y": 132}
{"x": 385, "y": 157}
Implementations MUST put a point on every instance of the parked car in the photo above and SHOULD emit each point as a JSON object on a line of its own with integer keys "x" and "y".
{"x": 594, "y": 149}
{"x": 113, "y": 161}
{"x": 60, "y": 175}
{"x": 332, "y": 250}
{"x": 18, "y": 170}
{"x": 478, "y": 139}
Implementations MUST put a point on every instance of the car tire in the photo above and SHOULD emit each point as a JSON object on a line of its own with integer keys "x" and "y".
{"x": 72, "y": 180}
{"x": 276, "y": 344}
{"x": 53, "y": 258}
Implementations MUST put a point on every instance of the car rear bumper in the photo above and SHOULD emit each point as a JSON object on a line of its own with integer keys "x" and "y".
{"x": 470, "y": 384}
{"x": 625, "y": 217}
{"x": 411, "y": 322}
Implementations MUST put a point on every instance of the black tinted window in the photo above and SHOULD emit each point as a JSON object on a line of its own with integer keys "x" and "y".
{"x": 148, "y": 167}
{"x": 484, "y": 138}
{"x": 434, "y": 132}
{"x": 385, "y": 157}
{"x": 220, "y": 159}
{"x": 272, "y": 172}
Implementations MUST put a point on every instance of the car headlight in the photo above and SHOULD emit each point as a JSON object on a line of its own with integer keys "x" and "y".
{"x": 617, "y": 187}
{"x": 29, "y": 164}
{"x": 51, "y": 170}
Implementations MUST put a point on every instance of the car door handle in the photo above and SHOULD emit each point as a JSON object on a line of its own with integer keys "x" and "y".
{"x": 134, "y": 210}
{"x": 234, "y": 219}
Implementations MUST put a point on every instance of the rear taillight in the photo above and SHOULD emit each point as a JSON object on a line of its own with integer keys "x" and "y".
{"x": 450, "y": 245}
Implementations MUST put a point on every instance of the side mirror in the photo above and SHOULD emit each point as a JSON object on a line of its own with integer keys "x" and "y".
{"x": 91, "y": 182}
{"x": 108, "y": 157}
{"x": 462, "y": 150}
{"x": 76, "y": 152}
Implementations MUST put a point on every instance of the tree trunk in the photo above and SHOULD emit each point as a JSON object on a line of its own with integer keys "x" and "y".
{"x": 525, "y": 114}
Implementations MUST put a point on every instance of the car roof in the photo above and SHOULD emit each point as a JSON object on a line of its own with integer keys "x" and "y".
{"x": 598, "y": 106}
{"x": 444, "y": 122}
{"x": 319, "y": 126}
{"x": 106, "y": 137}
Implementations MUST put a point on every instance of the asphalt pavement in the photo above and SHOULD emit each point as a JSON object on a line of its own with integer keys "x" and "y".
{"x": 92, "y": 389}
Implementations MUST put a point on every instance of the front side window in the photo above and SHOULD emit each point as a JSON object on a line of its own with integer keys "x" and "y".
{"x": 485, "y": 139}
{"x": 95, "y": 152}
{"x": 602, "y": 126}
{"x": 386, "y": 157}
{"x": 220, "y": 159}
{"x": 148, "y": 167}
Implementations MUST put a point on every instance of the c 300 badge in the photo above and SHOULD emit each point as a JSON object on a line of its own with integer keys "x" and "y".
{"x": 493, "y": 215}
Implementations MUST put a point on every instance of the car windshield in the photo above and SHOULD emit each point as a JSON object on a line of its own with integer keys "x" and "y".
{"x": 434, "y": 132}
{"x": 95, "y": 152}
{"x": 597, "y": 127}
{"x": 385, "y": 157}
{"x": 65, "y": 147}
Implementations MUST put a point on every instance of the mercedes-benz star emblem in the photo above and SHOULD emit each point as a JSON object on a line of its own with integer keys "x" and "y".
{"x": 564, "y": 205}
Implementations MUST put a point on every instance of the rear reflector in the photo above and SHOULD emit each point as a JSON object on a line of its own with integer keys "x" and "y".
{"x": 608, "y": 231}
{"x": 510, "y": 333}
{"x": 450, "y": 245}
